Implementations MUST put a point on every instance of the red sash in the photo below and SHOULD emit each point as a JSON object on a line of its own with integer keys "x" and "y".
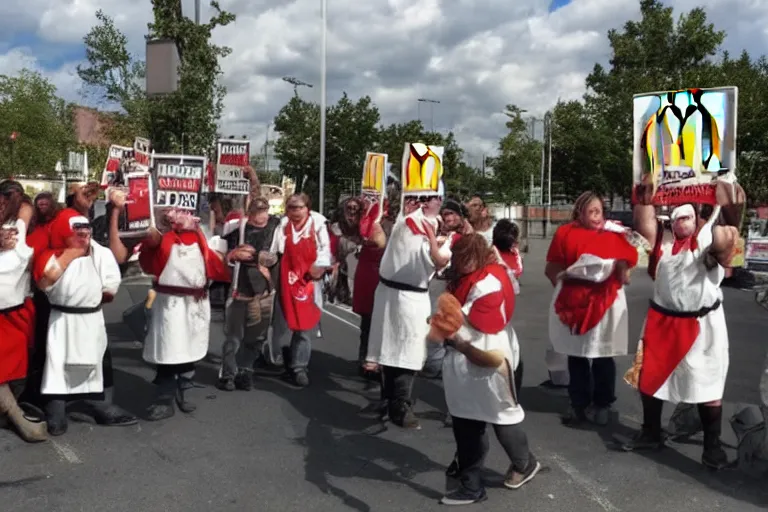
{"x": 491, "y": 312}
{"x": 153, "y": 260}
{"x": 297, "y": 290}
{"x": 666, "y": 341}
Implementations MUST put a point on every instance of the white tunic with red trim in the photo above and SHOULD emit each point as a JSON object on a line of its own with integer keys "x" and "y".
{"x": 686, "y": 359}
{"x": 438, "y": 284}
{"x": 473, "y": 392}
{"x": 77, "y": 341}
{"x": 399, "y": 325}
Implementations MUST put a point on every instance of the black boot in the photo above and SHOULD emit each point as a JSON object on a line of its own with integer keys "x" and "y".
{"x": 56, "y": 416}
{"x": 401, "y": 414}
{"x": 650, "y": 436}
{"x": 183, "y": 385}
{"x": 714, "y": 456}
{"x": 106, "y": 413}
{"x": 162, "y": 407}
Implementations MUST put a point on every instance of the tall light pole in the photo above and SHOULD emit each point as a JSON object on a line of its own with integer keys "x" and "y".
{"x": 323, "y": 52}
{"x": 296, "y": 83}
{"x": 197, "y": 12}
{"x": 432, "y": 104}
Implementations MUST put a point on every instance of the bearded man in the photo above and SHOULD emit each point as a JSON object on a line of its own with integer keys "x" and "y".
{"x": 685, "y": 340}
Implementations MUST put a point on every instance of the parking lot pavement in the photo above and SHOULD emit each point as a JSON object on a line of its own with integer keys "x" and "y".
{"x": 284, "y": 449}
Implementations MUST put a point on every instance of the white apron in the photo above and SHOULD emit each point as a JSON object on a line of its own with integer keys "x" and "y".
{"x": 483, "y": 394}
{"x": 179, "y": 328}
{"x": 610, "y": 337}
{"x": 14, "y": 270}
{"x": 399, "y": 322}
{"x": 683, "y": 283}
{"x": 77, "y": 342}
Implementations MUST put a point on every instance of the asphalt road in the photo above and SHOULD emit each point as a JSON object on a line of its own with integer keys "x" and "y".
{"x": 282, "y": 449}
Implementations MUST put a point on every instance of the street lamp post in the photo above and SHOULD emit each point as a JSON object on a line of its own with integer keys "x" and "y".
{"x": 323, "y": 52}
{"x": 431, "y": 111}
{"x": 296, "y": 83}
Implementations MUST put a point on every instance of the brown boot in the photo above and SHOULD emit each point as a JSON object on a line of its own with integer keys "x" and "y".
{"x": 29, "y": 430}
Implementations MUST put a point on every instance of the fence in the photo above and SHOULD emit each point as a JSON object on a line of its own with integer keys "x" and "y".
{"x": 536, "y": 221}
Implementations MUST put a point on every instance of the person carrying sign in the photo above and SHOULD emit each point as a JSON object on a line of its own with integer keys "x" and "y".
{"x": 685, "y": 339}
{"x": 182, "y": 264}
{"x": 250, "y": 313}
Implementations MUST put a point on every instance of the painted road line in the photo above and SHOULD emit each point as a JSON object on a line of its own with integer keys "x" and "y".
{"x": 66, "y": 452}
{"x": 340, "y": 319}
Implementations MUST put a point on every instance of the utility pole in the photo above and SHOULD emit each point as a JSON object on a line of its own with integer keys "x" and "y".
{"x": 266, "y": 149}
{"x": 197, "y": 12}
{"x": 432, "y": 104}
{"x": 549, "y": 177}
{"x": 323, "y": 99}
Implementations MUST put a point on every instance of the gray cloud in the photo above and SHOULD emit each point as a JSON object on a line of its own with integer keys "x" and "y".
{"x": 475, "y": 56}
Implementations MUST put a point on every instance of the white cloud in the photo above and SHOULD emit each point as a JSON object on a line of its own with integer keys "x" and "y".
{"x": 474, "y": 56}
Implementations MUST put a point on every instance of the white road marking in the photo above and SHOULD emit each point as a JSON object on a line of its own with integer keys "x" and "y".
{"x": 66, "y": 452}
{"x": 590, "y": 487}
{"x": 340, "y": 319}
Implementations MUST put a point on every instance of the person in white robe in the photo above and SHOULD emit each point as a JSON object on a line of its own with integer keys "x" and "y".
{"x": 397, "y": 342}
{"x": 17, "y": 311}
{"x": 183, "y": 264}
{"x": 78, "y": 276}
{"x": 685, "y": 337}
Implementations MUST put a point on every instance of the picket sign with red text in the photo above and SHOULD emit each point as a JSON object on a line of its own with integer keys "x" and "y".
{"x": 231, "y": 157}
{"x": 177, "y": 181}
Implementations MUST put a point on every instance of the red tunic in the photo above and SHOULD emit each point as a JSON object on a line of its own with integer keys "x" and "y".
{"x": 18, "y": 328}
{"x": 297, "y": 289}
{"x": 366, "y": 279}
{"x": 582, "y": 304}
{"x": 153, "y": 259}
{"x": 484, "y": 312}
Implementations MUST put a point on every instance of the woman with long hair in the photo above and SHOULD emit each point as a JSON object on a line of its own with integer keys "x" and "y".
{"x": 478, "y": 370}
{"x": 17, "y": 312}
{"x": 588, "y": 263}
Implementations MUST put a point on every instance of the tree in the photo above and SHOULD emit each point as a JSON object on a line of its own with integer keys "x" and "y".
{"x": 42, "y": 122}
{"x": 185, "y": 118}
{"x": 519, "y": 157}
{"x": 298, "y": 147}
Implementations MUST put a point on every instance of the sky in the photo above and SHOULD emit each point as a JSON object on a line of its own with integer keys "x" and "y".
{"x": 473, "y": 56}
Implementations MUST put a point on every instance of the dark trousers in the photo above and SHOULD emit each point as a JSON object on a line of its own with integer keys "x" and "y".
{"x": 170, "y": 372}
{"x": 472, "y": 448}
{"x": 365, "y": 332}
{"x": 397, "y": 386}
{"x": 593, "y": 382}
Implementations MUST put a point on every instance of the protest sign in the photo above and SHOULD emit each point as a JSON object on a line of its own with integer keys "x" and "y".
{"x": 177, "y": 181}
{"x": 137, "y": 216}
{"x": 112, "y": 175}
{"x": 374, "y": 181}
{"x": 683, "y": 141}
{"x": 232, "y": 156}
{"x": 422, "y": 171}
{"x": 141, "y": 153}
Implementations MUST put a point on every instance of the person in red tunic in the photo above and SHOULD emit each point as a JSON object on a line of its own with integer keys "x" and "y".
{"x": 183, "y": 265}
{"x": 374, "y": 233}
{"x": 588, "y": 263}
{"x": 17, "y": 312}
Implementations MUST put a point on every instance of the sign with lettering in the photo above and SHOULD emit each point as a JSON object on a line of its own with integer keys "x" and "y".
{"x": 117, "y": 159}
{"x": 177, "y": 181}
{"x": 137, "y": 216}
{"x": 683, "y": 141}
{"x": 374, "y": 182}
{"x": 232, "y": 157}
{"x": 141, "y": 153}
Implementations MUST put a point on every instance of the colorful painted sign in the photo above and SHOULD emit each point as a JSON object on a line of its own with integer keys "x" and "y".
{"x": 422, "y": 171}
{"x": 178, "y": 179}
{"x": 683, "y": 140}
{"x": 374, "y": 181}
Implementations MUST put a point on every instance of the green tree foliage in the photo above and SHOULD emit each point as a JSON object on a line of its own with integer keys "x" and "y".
{"x": 519, "y": 157}
{"x": 187, "y": 117}
{"x": 42, "y": 121}
{"x": 593, "y": 140}
{"x": 352, "y": 130}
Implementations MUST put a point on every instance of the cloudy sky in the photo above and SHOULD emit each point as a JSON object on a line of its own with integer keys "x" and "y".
{"x": 474, "y": 56}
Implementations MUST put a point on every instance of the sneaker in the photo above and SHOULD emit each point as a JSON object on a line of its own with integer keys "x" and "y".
{"x": 598, "y": 415}
{"x": 515, "y": 480}
{"x": 244, "y": 381}
{"x": 462, "y": 496}
{"x": 226, "y": 384}
{"x": 714, "y": 457}
{"x": 574, "y": 417}
{"x": 301, "y": 379}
